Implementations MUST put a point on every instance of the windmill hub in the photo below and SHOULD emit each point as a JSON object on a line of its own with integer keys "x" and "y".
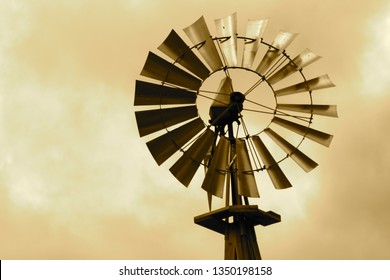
{"x": 237, "y": 97}
{"x": 224, "y": 115}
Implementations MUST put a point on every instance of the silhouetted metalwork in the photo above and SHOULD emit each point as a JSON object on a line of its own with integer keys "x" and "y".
{"x": 222, "y": 142}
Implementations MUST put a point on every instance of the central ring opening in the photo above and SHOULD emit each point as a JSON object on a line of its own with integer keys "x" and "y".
{"x": 246, "y": 100}
{"x": 223, "y": 114}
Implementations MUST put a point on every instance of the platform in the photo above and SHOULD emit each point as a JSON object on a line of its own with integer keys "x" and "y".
{"x": 217, "y": 220}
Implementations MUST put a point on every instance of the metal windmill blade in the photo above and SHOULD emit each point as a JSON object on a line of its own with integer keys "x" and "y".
{"x": 247, "y": 186}
{"x": 177, "y": 49}
{"x": 152, "y": 94}
{"x": 282, "y": 40}
{"x": 300, "y": 158}
{"x": 276, "y": 174}
{"x": 164, "y": 146}
{"x": 214, "y": 182}
{"x": 154, "y": 120}
{"x": 185, "y": 168}
{"x": 310, "y": 85}
{"x": 304, "y": 59}
{"x": 227, "y": 38}
{"x": 316, "y": 109}
{"x": 315, "y": 135}
{"x": 208, "y": 109}
{"x": 254, "y": 34}
{"x": 199, "y": 35}
{"x": 162, "y": 70}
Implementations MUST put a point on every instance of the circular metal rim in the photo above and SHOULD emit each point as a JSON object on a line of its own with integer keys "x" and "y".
{"x": 286, "y": 56}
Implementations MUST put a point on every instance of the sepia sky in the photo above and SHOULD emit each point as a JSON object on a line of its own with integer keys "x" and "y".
{"x": 77, "y": 181}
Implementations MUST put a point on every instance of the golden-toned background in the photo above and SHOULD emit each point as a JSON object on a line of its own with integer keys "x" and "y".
{"x": 77, "y": 182}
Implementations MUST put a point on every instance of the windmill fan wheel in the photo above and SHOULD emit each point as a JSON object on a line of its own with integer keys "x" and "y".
{"x": 222, "y": 101}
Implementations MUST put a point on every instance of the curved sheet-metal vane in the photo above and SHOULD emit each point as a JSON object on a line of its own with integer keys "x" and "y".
{"x": 323, "y": 110}
{"x": 223, "y": 98}
{"x": 185, "y": 168}
{"x": 214, "y": 181}
{"x": 246, "y": 180}
{"x": 227, "y": 34}
{"x": 150, "y": 121}
{"x": 221, "y": 101}
{"x": 279, "y": 180}
{"x": 199, "y": 34}
{"x": 154, "y": 94}
{"x": 177, "y": 49}
{"x": 164, "y": 146}
{"x": 315, "y": 135}
{"x": 282, "y": 40}
{"x": 302, "y": 60}
{"x": 306, "y": 163}
{"x": 313, "y": 84}
{"x": 254, "y": 32}
{"x": 158, "y": 68}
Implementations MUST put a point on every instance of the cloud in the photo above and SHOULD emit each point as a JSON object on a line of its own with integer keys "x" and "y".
{"x": 376, "y": 60}
{"x": 78, "y": 179}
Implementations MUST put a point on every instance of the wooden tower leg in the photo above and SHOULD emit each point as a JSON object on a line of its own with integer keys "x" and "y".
{"x": 241, "y": 242}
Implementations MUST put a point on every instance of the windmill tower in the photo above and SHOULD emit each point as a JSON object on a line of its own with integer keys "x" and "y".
{"x": 216, "y": 124}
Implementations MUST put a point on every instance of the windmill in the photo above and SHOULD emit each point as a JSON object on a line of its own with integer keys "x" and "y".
{"x": 205, "y": 110}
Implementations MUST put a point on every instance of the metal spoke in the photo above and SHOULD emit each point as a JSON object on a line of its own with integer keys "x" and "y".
{"x": 276, "y": 112}
{"x": 256, "y": 84}
{"x": 207, "y": 97}
{"x": 261, "y": 105}
{"x": 182, "y": 149}
{"x": 213, "y": 92}
{"x": 275, "y": 66}
{"x": 258, "y": 111}
{"x": 272, "y": 70}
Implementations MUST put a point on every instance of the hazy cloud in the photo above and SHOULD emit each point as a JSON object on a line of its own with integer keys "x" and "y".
{"x": 78, "y": 182}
